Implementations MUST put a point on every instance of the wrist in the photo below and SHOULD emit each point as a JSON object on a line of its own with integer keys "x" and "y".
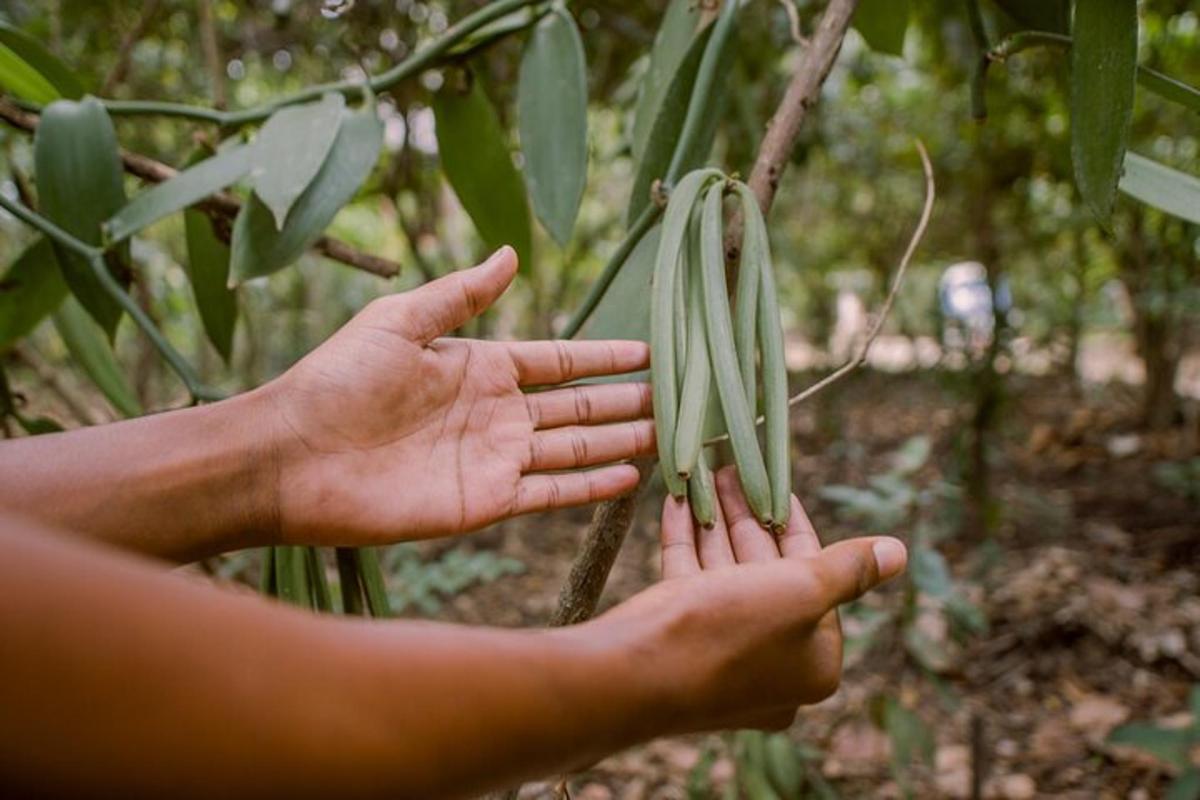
{"x": 632, "y": 675}
{"x": 256, "y": 451}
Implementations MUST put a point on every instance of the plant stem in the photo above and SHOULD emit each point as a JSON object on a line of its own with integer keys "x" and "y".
{"x": 95, "y": 259}
{"x": 423, "y": 59}
{"x": 1161, "y": 84}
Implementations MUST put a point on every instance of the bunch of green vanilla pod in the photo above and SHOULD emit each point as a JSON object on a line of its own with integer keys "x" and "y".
{"x": 696, "y": 339}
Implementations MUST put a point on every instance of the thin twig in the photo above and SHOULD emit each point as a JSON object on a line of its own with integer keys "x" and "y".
{"x": 881, "y": 317}
{"x": 221, "y": 204}
{"x": 794, "y": 22}
{"x": 116, "y": 76}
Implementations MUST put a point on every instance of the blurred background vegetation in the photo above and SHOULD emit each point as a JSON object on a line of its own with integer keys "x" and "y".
{"x": 1008, "y": 441}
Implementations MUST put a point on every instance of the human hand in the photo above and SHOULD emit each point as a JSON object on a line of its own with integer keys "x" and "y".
{"x": 743, "y": 628}
{"x": 390, "y": 432}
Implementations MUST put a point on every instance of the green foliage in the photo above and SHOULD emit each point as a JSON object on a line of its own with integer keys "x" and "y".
{"x": 259, "y": 248}
{"x": 1180, "y": 477}
{"x": 208, "y": 271}
{"x": 1171, "y": 745}
{"x": 31, "y": 72}
{"x": 187, "y": 188}
{"x": 1103, "y": 73}
{"x": 552, "y": 111}
{"x": 29, "y": 291}
{"x": 474, "y": 154}
{"x": 425, "y": 585}
{"x": 90, "y": 348}
{"x": 883, "y": 24}
{"x": 80, "y": 185}
{"x": 1155, "y": 184}
{"x": 291, "y": 149}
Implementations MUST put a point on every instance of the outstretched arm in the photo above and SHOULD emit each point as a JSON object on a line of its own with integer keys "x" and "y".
{"x": 387, "y": 431}
{"x": 120, "y": 679}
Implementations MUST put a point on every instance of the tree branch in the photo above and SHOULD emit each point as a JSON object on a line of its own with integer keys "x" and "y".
{"x": 221, "y": 205}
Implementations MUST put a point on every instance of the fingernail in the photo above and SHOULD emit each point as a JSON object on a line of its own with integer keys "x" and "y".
{"x": 890, "y": 557}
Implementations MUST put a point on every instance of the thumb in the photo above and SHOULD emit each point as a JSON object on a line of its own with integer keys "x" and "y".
{"x": 440, "y": 306}
{"x": 851, "y": 568}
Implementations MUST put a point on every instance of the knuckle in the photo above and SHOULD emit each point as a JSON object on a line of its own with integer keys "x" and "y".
{"x": 579, "y": 448}
{"x": 583, "y": 404}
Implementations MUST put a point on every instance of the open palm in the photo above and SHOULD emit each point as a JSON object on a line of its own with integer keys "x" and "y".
{"x": 393, "y": 432}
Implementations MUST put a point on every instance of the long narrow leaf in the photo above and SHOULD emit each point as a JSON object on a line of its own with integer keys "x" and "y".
{"x": 46, "y": 65}
{"x": 259, "y": 248}
{"x": 678, "y": 29}
{"x": 208, "y": 270}
{"x": 89, "y": 346}
{"x": 1103, "y": 73}
{"x": 291, "y": 147}
{"x": 187, "y": 188}
{"x": 475, "y": 157}
{"x": 552, "y": 102}
{"x": 1166, "y": 189}
{"x": 81, "y": 184}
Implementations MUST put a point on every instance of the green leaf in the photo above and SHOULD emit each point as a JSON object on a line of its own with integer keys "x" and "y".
{"x": 1169, "y": 88}
{"x": 1052, "y": 16}
{"x": 259, "y": 248}
{"x": 290, "y": 149}
{"x": 552, "y": 110}
{"x": 1103, "y": 73}
{"x": 1169, "y": 745}
{"x": 51, "y": 74}
{"x": 29, "y": 291}
{"x": 477, "y": 162}
{"x": 911, "y": 737}
{"x": 883, "y": 24}
{"x": 624, "y": 311}
{"x": 20, "y": 79}
{"x": 37, "y": 426}
{"x": 1186, "y": 786}
{"x": 80, "y": 185}
{"x": 187, "y": 188}
{"x": 88, "y": 345}
{"x": 1166, "y": 189}
{"x": 668, "y": 124}
{"x": 671, "y": 47}
{"x": 208, "y": 270}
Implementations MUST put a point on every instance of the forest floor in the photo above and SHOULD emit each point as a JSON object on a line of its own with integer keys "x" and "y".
{"x": 1088, "y": 581}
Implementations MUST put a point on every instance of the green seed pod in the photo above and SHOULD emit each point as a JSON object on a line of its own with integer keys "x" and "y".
{"x": 775, "y": 378}
{"x": 702, "y": 493}
{"x": 80, "y": 185}
{"x": 730, "y": 389}
{"x": 663, "y": 320}
{"x": 745, "y": 316}
{"x": 693, "y": 402}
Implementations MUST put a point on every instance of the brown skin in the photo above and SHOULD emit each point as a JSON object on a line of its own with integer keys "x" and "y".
{"x": 122, "y": 679}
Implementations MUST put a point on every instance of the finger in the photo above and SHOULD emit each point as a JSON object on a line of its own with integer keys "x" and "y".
{"x": 586, "y": 446}
{"x": 589, "y": 405}
{"x": 546, "y": 492}
{"x": 849, "y": 569}
{"x": 678, "y": 535}
{"x": 800, "y": 538}
{"x": 548, "y": 363}
{"x": 751, "y": 542}
{"x": 714, "y": 546}
{"x": 440, "y": 306}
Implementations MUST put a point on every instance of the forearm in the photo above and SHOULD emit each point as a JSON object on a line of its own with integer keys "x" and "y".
{"x": 181, "y": 485}
{"x": 120, "y": 679}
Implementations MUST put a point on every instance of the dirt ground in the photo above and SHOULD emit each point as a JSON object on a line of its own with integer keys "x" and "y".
{"x": 1088, "y": 581}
